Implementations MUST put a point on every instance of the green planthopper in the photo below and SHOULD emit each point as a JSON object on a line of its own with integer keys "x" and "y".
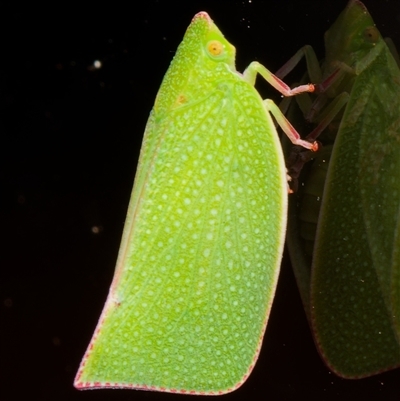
{"x": 202, "y": 244}
{"x": 349, "y": 199}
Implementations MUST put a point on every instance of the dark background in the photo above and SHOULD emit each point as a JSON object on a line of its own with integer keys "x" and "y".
{"x": 70, "y": 136}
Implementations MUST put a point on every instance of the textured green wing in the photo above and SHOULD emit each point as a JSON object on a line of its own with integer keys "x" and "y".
{"x": 379, "y": 164}
{"x": 201, "y": 264}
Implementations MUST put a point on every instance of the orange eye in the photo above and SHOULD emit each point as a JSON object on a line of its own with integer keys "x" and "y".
{"x": 215, "y": 48}
{"x": 371, "y": 34}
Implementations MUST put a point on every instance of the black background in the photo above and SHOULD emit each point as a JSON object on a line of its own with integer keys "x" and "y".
{"x": 70, "y": 136}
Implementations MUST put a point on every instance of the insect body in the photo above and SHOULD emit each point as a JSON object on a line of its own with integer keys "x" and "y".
{"x": 202, "y": 243}
{"x": 351, "y": 292}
